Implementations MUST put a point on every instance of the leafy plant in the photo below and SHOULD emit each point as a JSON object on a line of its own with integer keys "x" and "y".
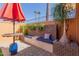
{"x": 41, "y": 27}
{"x": 32, "y": 27}
{"x": 24, "y": 29}
{"x": 26, "y": 32}
{"x": 1, "y": 54}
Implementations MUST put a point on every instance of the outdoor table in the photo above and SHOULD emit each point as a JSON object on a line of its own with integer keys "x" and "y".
{"x": 19, "y": 36}
{"x": 12, "y": 34}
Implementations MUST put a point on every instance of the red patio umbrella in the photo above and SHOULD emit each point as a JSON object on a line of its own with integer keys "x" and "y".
{"x": 12, "y": 12}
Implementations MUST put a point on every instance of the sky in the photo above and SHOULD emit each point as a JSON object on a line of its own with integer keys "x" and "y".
{"x": 29, "y": 8}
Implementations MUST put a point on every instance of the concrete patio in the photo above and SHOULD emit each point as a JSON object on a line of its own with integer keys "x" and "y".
{"x": 45, "y": 46}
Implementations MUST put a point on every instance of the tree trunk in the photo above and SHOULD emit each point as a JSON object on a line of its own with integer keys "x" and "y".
{"x": 64, "y": 38}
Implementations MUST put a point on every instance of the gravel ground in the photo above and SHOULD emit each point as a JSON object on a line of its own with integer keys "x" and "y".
{"x": 33, "y": 51}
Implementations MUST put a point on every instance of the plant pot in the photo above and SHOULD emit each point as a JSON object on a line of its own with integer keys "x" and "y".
{"x": 13, "y": 48}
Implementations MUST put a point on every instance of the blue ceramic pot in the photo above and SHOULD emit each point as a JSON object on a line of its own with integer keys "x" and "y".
{"x": 13, "y": 48}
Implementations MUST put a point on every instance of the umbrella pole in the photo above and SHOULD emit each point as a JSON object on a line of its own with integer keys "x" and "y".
{"x": 13, "y": 31}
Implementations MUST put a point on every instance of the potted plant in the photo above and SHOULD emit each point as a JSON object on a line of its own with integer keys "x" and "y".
{"x": 61, "y": 15}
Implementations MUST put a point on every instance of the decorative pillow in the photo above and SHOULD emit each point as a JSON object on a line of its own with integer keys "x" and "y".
{"x": 46, "y": 36}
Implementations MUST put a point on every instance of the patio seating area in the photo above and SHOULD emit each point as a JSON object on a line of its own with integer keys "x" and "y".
{"x": 5, "y": 48}
{"x": 43, "y": 45}
{"x": 25, "y": 49}
{"x": 33, "y": 51}
{"x": 44, "y": 38}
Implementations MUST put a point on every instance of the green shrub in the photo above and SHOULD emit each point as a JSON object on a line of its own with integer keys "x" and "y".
{"x": 24, "y": 29}
{"x": 41, "y": 27}
{"x": 1, "y": 54}
{"x": 32, "y": 27}
{"x": 26, "y": 32}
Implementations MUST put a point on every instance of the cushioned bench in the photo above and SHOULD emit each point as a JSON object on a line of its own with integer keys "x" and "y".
{"x": 50, "y": 40}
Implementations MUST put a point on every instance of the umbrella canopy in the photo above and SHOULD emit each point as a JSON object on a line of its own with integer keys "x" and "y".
{"x": 12, "y": 12}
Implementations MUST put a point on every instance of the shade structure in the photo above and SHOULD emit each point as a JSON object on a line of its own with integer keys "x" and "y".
{"x": 12, "y": 12}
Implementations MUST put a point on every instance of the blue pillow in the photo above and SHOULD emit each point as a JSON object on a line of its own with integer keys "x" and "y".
{"x": 51, "y": 37}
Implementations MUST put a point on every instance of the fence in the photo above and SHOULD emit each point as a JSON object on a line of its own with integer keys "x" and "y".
{"x": 39, "y": 19}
